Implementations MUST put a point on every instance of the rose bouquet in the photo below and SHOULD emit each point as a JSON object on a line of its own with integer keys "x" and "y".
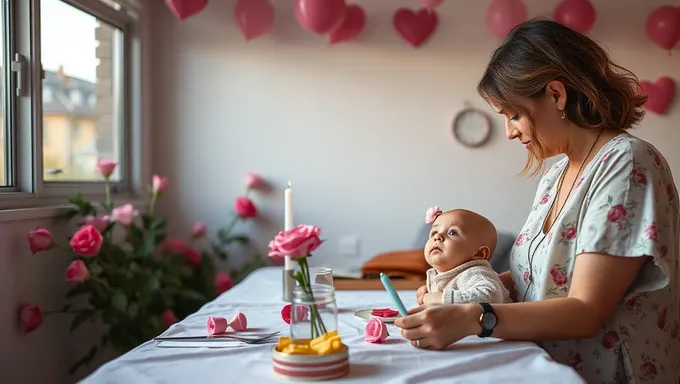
{"x": 126, "y": 273}
{"x": 299, "y": 243}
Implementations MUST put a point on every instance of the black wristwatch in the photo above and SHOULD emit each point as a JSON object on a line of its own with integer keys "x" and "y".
{"x": 487, "y": 320}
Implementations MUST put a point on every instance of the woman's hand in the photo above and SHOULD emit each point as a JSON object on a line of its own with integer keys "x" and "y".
{"x": 432, "y": 298}
{"x": 436, "y": 326}
{"x": 420, "y": 294}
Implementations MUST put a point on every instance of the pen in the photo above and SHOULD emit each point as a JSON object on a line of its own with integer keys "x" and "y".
{"x": 390, "y": 289}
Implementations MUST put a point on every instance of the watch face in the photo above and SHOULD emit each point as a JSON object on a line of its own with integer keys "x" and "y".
{"x": 489, "y": 320}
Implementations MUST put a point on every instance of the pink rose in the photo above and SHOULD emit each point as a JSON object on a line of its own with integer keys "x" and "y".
{"x": 558, "y": 275}
{"x": 570, "y": 233}
{"x": 432, "y": 214}
{"x": 610, "y": 340}
{"x": 98, "y": 222}
{"x": 297, "y": 242}
{"x": 124, "y": 214}
{"x": 300, "y": 311}
{"x": 244, "y": 207}
{"x": 253, "y": 181}
{"x": 158, "y": 184}
{"x": 194, "y": 256}
{"x": 105, "y": 167}
{"x": 77, "y": 272}
{"x": 641, "y": 178}
{"x": 87, "y": 241}
{"x": 40, "y": 239}
{"x": 30, "y": 318}
{"x": 198, "y": 230}
{"x": 168, "y": 318}
{"x": 545, "y": 199}
{"x": 616, "y": 213}
{"x": 376, "y": 331}
{"x": 216, "y": 325}
{"x": 239, "y": 322}
{"x": 223, "y": 282}
{"x": 176, "y": 246}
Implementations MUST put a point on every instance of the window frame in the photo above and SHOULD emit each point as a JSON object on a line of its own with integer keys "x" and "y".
{"x": 26, "y": 125}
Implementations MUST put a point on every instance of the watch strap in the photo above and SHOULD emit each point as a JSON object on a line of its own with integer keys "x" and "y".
{"x": 486, "y": 308}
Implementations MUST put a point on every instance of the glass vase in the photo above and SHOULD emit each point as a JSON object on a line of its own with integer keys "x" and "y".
{"x": 314, "y": 312}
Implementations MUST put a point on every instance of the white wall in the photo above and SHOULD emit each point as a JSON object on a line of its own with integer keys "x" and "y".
{"x": 361, "y": 129}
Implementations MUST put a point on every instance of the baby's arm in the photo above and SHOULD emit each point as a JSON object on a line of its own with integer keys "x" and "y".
{"x": 475, "y": 285}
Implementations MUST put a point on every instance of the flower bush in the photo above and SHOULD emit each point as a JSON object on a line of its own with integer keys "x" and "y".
{"x": 127, "y": 274}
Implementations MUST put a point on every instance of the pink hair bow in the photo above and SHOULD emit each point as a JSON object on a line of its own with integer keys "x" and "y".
{"x": 432, "y": 214}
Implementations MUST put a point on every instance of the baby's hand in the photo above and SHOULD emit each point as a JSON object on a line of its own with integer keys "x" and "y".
{"x": 420, "y": 293}
{"x": 432, "y": 298}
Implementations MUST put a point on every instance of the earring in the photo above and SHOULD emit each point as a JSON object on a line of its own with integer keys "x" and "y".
{"x": 562, "y": 114}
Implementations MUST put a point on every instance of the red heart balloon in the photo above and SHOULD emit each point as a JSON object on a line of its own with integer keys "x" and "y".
{"x": 183, "y": 9}
{"x": 254, "y": 17}
{"x": 660, "y": 94}
{"x": 414, "y": 27}
{"x": 355, "y": 19}
{"x": 663, "y": 26}
{"x": 320, "y": 16}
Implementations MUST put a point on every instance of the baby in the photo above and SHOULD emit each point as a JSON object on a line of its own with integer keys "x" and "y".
{"x": 458, "y": 248}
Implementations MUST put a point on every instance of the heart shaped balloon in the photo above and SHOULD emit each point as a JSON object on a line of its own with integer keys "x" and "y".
{"x": 351, "y": 27}
{"x": 504, "y": 15}
{"x": 183, "y": 9}
{"x": 320, "y": 16}
{"x": 431, "y": 4}
{"x": 254, "y": 17}
{"x": 663, "y": 26}
{"x": 660, "y": 94}
{"x": 415, "y": 27}
{"x": 577, "y": 14}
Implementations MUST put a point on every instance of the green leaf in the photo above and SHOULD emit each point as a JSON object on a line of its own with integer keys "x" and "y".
{"x": 80, "y": 318}
{"x": 241, "y": 239}
{"x": 85, "y": 360}
{"x": 119, "y": 301}
{"x": 192, "y": 294}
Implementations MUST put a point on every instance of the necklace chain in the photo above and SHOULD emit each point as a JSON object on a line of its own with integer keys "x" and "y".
{"x": 557, "y": 215}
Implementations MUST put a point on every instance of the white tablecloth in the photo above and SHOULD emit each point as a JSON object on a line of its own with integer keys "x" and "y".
{"x": 472, "y": 360}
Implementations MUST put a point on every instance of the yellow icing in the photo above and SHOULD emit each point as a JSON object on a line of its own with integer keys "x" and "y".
{"x": 325, "y": 344}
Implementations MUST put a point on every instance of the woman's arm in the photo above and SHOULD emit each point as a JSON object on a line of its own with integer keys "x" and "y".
{"x": 599, "y": 282}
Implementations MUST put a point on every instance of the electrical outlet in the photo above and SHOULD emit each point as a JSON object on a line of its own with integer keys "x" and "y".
{"x": 349, "y": 246}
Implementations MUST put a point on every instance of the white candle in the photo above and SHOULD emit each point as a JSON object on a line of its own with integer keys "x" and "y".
{"x": 288, "y": 221}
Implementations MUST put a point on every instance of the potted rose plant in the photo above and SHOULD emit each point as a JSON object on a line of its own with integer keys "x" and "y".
{"x": 126, "y": 273}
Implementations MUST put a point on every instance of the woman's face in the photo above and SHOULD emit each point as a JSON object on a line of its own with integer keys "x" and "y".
{"x": 546, "y": 116}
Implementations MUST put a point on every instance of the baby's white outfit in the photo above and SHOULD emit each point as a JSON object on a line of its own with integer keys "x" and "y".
{"x": 471, "y": 282}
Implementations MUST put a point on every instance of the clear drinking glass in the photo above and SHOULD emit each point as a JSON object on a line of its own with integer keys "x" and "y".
{"x": 313, "y": 315}
{"x": 321, "y": 276}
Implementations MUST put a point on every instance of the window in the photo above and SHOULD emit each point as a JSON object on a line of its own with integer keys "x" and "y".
{"x": 4, "y": 90}
{"x": 69, "y": 86}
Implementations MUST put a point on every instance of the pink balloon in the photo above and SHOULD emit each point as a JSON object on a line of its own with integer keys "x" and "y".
{"x": 431, "y": 4}
{"x": 320, "y": 16}
{"x": 663, "y": 26}
{"x": 183, "y": 9}
{"x": 254, "y": 17}
{"x": 577, "y": 14}
{"x": 503, "y": 15}
{"x": 351, "y": 27}
{"x": 660, "y": 94}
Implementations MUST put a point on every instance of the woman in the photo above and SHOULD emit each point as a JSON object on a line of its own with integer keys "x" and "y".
{"x": 594, "y": 270}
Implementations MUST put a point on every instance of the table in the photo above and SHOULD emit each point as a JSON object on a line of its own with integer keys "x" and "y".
{"x": 472, "y": 360}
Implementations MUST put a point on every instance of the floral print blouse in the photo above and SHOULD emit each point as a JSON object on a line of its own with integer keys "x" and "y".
{"x": 624, "y": 204}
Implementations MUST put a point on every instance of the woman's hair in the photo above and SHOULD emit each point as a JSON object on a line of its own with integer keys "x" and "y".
{"x": 600, "y": 93}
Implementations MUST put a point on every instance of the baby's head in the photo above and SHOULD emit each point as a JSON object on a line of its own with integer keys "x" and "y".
{"x": 458, "y": 236}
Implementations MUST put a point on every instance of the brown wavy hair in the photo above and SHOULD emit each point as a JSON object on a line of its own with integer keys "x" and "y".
{"x": 600, "y": 93}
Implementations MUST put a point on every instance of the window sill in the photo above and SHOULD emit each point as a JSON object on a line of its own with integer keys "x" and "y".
{"x": 50, "y": 211}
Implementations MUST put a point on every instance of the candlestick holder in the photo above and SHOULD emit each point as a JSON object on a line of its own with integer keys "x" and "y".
{"x": 289, "y": 284}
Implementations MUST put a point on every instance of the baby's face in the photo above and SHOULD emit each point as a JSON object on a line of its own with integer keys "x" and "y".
{"x": 454, "y": 239}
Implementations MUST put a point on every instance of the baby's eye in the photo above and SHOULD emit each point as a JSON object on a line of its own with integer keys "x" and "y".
{"x": 452, "y": 233}
{"x": 515, "y": 118}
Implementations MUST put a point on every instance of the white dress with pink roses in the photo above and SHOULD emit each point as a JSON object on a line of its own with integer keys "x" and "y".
{"x": 625, "y": 204}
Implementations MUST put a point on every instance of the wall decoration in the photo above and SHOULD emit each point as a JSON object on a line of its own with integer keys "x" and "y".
{"x": 663, "y": 26}
{"x": 660, "y": 94}
{"x": 320, "y": 16}
{"x": 577, "y": 14}
{"x": 183, "y": 9}
{"x": 503, "y": 15}
{"x": 430, "y": 5}
{"x": 415, "y": 27}
{"x": 254, "y": 17}
{"x": 351, "y": 26}
{"x": 471, "y": 127}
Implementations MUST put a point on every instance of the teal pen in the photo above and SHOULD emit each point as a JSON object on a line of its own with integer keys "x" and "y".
{"x": 390, "y": 289}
